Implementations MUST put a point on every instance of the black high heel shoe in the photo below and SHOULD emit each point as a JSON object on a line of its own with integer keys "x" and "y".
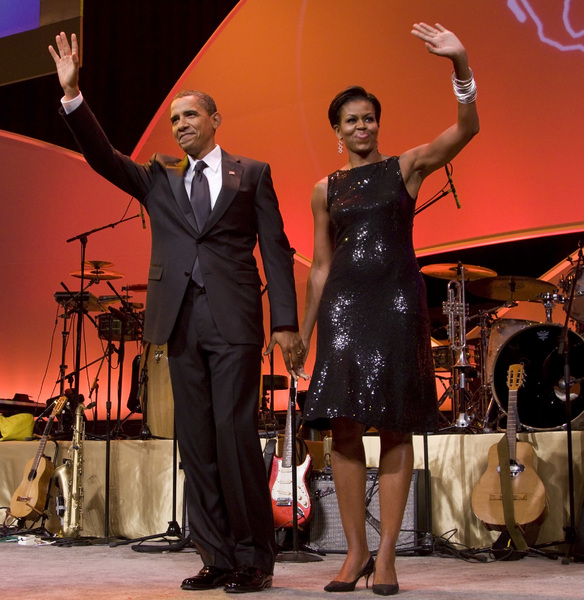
{"x": 349, "y": 586}
{"x": 385, "y": 589}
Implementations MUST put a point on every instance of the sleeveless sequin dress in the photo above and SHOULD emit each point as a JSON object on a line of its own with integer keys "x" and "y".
{"x": 373, "y": 357}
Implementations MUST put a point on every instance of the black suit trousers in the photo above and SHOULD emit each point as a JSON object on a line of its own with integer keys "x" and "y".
{"x": 216, "y": 397}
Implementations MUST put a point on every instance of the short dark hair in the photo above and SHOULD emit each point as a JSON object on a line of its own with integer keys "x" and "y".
{"x": 354, "y": 92}
{"x": 206, "y": 100}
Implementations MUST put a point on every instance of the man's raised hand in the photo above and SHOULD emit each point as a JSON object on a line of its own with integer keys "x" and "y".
{"x": 67, "y": 63}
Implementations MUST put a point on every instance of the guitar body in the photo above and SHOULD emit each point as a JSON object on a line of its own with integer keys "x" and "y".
{"x": 281, "y": 492}
{"x": 28, "y": 501}
{"x": 529, "y": 498}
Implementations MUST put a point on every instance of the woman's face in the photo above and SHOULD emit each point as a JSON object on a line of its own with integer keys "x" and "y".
{"x": 358, "y": 127}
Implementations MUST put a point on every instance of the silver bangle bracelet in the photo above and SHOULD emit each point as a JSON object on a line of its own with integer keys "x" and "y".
{"x": 464, "y": 90}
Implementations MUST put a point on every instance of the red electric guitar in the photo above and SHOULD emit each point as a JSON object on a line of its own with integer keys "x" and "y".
{"x": 281, "y": 477}
{"x": 28, "y": 501}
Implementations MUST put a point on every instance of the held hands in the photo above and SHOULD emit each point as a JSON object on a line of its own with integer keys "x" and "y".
{"x": 292, "y": 350}
{"x": 67, "y": 63}
{"x": 439, "y": 40}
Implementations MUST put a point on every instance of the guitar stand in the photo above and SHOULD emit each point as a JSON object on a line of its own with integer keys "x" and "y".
{"x": 40, "y": 531}
{"x": 295, "y": 555}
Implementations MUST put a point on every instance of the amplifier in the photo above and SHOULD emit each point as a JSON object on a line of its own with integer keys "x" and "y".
{"x": 326, "y": 532}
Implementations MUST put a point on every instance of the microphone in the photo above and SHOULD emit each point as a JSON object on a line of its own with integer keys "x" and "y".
{"x": 452, "y": 188}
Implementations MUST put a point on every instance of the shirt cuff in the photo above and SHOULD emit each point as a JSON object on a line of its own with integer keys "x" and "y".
{"x": 70, "y": 105}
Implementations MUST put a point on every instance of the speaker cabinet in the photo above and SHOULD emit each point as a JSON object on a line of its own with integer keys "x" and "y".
{"x": 326, "y": 532}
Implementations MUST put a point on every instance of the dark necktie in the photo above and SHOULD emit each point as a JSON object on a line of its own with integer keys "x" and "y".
{"x": 201, "y": 203}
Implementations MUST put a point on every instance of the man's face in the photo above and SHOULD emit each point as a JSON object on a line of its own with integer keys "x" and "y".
{"x": 193, "y": 127}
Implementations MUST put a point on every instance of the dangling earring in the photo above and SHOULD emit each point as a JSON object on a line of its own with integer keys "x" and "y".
{"x": 340, "y": 146}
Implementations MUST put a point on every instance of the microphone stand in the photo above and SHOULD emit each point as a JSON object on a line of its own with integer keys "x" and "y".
{"x": 440, "y": 195}
{"x": 82, "y": 237}
{"x": 295, "y": 555}
{"x": 564, "y": 351}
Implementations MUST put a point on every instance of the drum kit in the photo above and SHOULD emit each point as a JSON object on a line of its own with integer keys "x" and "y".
{"x": 477, "y": 361}
{"x": 120, "y": 320}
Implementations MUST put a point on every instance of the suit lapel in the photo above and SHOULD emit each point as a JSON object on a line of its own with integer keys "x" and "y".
{"x": 232, "y": 172}
{"x": 176, "y": 178}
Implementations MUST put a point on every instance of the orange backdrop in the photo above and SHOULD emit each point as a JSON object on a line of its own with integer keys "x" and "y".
{"x": 273, "y": 68}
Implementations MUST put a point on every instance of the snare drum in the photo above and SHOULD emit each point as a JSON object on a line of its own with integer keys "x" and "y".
{"x": 541, "y": 401}
{"x": 443, "y": 358}
{"x": 109, "y": 327}
{"x": 160, "y": 401}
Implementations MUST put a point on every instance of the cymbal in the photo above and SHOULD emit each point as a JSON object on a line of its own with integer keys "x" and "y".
{"x": 450, "y": 271}
{"x": 135, "y": 287}
{"x": 98, "y": 264}
{"x": 97, "y": 274}
{"x": 510, "y": 288}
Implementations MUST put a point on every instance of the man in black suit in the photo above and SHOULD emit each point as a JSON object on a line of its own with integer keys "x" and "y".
{"x": 204, "y": 301}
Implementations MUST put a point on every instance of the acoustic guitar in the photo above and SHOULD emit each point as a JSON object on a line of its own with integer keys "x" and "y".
{"x": 529, "y": 497}
{"x": 281, "y": 477}
{"x": 28, "y": 501}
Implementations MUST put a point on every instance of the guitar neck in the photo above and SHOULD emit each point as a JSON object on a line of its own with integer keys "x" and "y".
{"x": 43, "y": 442}
{"x": 512, "y": 425}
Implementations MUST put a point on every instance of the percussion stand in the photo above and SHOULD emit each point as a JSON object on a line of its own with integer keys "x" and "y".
{"x": 125, "y": 316}
{"x": 79, "y": 300}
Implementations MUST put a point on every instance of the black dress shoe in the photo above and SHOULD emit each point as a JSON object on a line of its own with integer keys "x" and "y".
{"x": 247, "y": 579}
{"x": 208, "y": 578}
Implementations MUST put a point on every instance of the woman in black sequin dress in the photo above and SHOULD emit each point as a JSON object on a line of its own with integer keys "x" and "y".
{"x": 373, "y": 360}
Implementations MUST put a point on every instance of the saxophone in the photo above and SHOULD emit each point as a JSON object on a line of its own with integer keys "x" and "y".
{"x": 69, "y": 477}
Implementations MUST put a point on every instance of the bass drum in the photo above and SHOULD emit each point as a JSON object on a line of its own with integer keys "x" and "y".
{"x": 501, "y": 330}
{"x": 159, "y": 398}
{"x": 541, "y": 401}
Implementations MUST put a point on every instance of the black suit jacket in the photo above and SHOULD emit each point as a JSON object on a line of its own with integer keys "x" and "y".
{"x": 246, "y": 212}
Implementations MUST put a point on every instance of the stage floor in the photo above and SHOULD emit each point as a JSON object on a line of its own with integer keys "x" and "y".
{"x": 104, "y": 573}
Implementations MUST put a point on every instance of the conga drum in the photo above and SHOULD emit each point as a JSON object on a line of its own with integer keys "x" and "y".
{"x": 159, "y": 409}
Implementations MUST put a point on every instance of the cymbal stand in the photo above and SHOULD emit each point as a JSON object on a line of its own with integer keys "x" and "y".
{"x": 486, "y": 402}
{"x": 82, "y": 237}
